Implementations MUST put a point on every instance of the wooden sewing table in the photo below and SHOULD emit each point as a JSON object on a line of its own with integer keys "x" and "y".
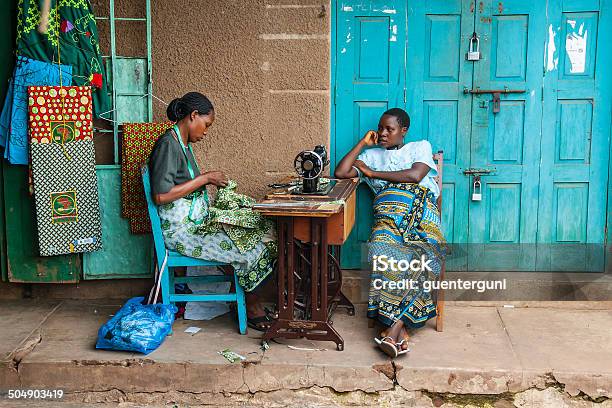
{"x": 311, "y": 230}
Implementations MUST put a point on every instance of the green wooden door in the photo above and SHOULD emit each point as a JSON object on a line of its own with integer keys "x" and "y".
{"x": 576, "y": 141}
{"x": 544, "y": 206}
{"x": 503, "y": 225}
{"x": 24, "y": 263}
{"x": 437, "y": 73}
{"x": 124, "y": 255}
{"x": 370, "y": 78}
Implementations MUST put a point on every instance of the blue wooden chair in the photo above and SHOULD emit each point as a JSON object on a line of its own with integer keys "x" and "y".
{"x": 174, "y": 259}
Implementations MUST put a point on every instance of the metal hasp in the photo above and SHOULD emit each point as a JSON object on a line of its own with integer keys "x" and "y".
{"x": 473, "y": 53}
{"x": 496, "y": 94}
{"x": 472, "y": 171}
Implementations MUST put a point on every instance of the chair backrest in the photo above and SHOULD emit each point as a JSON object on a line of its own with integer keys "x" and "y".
{"x": 158, "y": 237}
{"x": 439, "y": 159}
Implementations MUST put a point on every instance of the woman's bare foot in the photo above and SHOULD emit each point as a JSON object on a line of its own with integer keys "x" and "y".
{"x": 403, "y": 339}
{"x": 397, "y": 333}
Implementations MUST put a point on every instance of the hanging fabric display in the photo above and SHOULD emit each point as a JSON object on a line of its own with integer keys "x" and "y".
{"x": 137, "y": 144}
{"x": 14, "y": 118}
{"x": 70, "y": 38}
{"x": 59, "y": 114}
{"x": 64, "y": 170}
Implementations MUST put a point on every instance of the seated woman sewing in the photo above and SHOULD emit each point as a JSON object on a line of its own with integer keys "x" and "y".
{"x": 406, "y": 226}
{"x": 190, "y": 224}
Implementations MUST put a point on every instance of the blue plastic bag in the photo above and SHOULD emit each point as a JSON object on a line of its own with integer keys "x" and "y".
{"x": 137, "y": 327}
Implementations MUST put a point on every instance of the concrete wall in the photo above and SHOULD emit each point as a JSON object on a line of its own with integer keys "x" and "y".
{"x": 266, "y": 67}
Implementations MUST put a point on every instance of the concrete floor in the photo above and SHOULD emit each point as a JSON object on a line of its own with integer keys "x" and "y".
{"x": 486, "y": 349}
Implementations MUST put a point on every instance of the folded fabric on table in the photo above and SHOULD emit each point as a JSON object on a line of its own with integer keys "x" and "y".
{"x": 14, "y": 117}
{"x": 137, "y": 144}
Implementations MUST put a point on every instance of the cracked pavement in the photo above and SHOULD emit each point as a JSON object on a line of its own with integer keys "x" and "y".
{"x": 484, "y": 350}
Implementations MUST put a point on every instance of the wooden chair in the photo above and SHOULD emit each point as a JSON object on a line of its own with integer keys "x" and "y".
{"x": 439, "y": 159}
{"x": 168, "y": 260}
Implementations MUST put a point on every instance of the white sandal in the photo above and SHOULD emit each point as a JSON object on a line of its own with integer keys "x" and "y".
{"x": 399, "y": 347}
{"x": 387, "y": 347}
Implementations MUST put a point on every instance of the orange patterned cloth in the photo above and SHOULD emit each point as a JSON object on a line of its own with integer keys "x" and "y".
{"x": 59, "y": 114}
{"x": 137, "y": 144}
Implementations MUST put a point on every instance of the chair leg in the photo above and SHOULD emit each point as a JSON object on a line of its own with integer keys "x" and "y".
{"x": 240, "y": 306}
{"x": 440, "y": 302}
{"x": 165, "y": 285}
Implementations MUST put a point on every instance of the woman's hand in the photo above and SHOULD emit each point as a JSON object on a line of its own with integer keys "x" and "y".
{"x": 363, "y": 168}
{"x": 216, "y": 178}
{"x": 370, "y": 138}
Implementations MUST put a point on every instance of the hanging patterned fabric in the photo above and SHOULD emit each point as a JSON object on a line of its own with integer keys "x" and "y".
{"x": 64, "y": 170}
{"x": 59, "y": 114}
{"x": 71, "y": 39}
{"x": 14, "y": 118}
{"x": 137, "y": 144}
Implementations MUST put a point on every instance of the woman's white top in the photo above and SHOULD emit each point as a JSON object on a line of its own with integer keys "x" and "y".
{"x": 381, "y": 159}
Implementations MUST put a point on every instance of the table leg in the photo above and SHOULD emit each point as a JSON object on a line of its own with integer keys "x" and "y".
{"x": 285, "y": 278}
{"x": 317, "y": 326}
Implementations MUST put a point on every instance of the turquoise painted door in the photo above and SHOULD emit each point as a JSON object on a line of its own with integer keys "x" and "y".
{"x": 438, "y": 32}
{"x": 549, "y": 143}
{"x": 371, "y": 57}
{"x": 503, "y": 226}
{"x": 576, "y": 136}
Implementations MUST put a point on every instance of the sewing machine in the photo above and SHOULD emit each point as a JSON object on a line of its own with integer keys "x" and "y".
{"x": 309, "y": 165}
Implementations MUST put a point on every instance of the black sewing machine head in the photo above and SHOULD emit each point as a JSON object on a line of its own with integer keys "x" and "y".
{"x": 309, "y": 165}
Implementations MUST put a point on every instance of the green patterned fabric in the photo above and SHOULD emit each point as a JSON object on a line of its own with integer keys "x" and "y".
{"x": 234, "y": 212}
{"x": 228, "y": 232}
{"x": 72, "y": 27}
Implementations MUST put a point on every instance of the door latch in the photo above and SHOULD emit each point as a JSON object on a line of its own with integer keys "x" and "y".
{"x": 473, "y": 53}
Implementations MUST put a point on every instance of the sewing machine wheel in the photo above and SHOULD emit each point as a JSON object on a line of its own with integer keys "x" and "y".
{"x": 309, "y": 164}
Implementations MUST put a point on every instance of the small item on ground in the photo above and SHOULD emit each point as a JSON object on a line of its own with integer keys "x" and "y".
{"x": 264, "y": 346}
{"x": 231, "y": 356}
{"x": 192, "y": 330}
{"x": 306, "y": 348}
{"x": 137, "y": 327}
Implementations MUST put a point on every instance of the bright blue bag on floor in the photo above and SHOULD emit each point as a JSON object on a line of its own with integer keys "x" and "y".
{"x": 137, "y": 327}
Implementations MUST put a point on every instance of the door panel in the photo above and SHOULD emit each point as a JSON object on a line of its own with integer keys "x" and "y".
{"x": 575, "y": 162}
{"x": 23, "y": 261}
{"x": 370, "y": 78}
{"x": 504, "y": 223}
{"x": 124, "y": 255}
{"x": 544, "y": 207}
{"x": 438, "y": 33}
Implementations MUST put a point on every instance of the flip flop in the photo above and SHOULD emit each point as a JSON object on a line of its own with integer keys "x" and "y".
{"x": 255, "y": 323}
{"x": 399, "y": 347}
{"x": 387, "y": 347}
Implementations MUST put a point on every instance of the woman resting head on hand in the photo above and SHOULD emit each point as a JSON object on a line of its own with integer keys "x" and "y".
{"x": 406, "y": 226}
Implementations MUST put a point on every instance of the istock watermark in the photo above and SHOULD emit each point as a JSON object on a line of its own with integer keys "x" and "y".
{"x": 479, "y": 286}
{"x": 383, "y": 263}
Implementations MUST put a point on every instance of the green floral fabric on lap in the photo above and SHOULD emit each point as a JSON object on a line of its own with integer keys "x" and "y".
{"x": 231, "y": 233}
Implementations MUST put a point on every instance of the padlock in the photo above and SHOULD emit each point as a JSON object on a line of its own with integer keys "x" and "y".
{"x": 473, "y": 53}
{"x": 477, "y": 190}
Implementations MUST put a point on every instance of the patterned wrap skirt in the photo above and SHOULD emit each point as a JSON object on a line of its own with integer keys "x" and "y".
{"x": 186, "y": 231}
{"x": 406, "y": 227}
